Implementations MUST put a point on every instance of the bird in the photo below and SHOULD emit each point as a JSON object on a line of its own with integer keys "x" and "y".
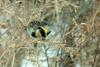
{"x": 41, "y": 32}
{"x": 39, "y": 29}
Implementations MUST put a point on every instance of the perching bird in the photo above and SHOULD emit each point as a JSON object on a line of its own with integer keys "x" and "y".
{"x": 39, "y": 29}
{"x": 41, "y": 32}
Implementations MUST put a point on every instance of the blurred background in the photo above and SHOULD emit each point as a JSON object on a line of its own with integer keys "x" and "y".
{"x": 74, "y": 40}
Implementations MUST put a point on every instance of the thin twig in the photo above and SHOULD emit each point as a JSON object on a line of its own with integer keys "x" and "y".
{"x": 13, "y": 59}
{"x": 3, "y": 53}
{"x": 46, "y": 55}
{"x": 95, "y": 55}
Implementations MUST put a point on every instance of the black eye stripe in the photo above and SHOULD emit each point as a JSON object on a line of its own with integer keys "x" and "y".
{"x": 42, "y": 32}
